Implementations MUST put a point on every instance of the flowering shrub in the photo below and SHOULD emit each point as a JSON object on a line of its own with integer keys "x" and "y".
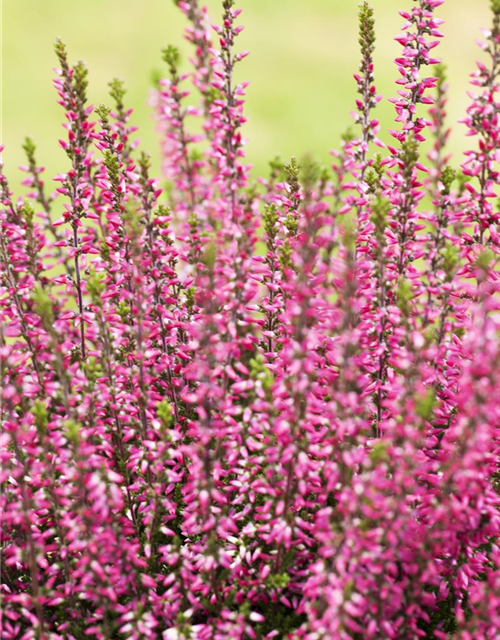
{"x": 248, "y": 409}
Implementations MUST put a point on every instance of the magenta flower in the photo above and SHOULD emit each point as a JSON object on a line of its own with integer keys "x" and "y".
{"x": 250, "y": 408}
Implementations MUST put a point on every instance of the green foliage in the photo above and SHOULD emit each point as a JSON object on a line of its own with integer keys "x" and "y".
{"x": 451, "y": 258}
{"x": 43, "y": 307}
{"x": 404, "y": 295}
{"x": 462, "y": 180}
{"x": 278, "y": 581}
{"x": 190, "y": 298}
{"x": 366, "y": 30}
{"x": 72, "y": 429}
{"x": 409, "y": 157}
{"x": 286, "y": 255}
{"x": 374, "y": 174}
{"x": 161, "y": 211}
{"x": 93, "y": 369}
{"x": 280, "y": 619}
{"x": 484, "y": 260}
{"x": 448, "y": 177}
{"x": 95, "y": 286}
{"x": 259, "y": 371}
{"x": 292, "y": 170}
{"x": 348, "y": 135}
{"x": 443, "y": 617}
{"x": 105, "y": 252}
{"x": 28, "y": 214}
{"x": 270, "y": 220}
{"x": 291, "y": 224}
{"x": 62, "y": 54}
{"x": 41, "y": 416}
{"x": 156, "y": 77}
{"x": 132, "y": 220}
{"x": 29, "y": 149}
{"x": 349, "y": 233}
{"x": 164, "y": 411}
{"x": 113, "y": 167}
{"x": 425, "y": 404}
{"x": 171, "y": 56}
{"x": 209, "y": 256}
{"x": 277, "y": 171}
{"x": 212, "y": 94}
{"x": 379, "y": 454}
{"x": 80, "y": 79}
{"x": 495, "y": 31}
{"x": 441, "y": 75}
{"x": 380, "y": 211}
{"x": 117, "y": 91}
{"x": 194, "y": 221}
{"x": 145, "y": 166}
{"x": 123, "y": 310}
{"x": 183, "y": 624}
{"x": 103, "y": 112}
{"x": 75, "y": 78}
{"x": 311, "y": 172}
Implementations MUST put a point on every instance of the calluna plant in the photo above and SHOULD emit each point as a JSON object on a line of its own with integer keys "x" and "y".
{"x": 247, "y": 409}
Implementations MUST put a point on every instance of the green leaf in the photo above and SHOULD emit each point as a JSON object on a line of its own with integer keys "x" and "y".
{"x": 379, "y": 454}
{"x": 42, "y": 305}
{"x": 425, "y": 404}
{"x": 41, "y": 416}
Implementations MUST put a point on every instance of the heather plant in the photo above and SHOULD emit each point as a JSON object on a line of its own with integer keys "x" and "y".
{"x": 245, "y": 408}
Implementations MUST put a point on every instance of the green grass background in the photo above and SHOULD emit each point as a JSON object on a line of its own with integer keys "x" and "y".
{"x": 303, "y": 54}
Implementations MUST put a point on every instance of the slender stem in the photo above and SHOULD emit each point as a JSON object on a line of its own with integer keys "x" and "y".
{"x": 79, "y": 290}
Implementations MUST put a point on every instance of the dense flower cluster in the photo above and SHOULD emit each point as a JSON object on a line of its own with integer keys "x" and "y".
{"x": 239, "y": 409}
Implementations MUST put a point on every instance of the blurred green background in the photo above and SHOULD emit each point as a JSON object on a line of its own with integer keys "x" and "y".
{"x": 303, "y": 54}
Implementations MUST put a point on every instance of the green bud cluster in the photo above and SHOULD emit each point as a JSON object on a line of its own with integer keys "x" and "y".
{"x": 374, "y": 174}
{"x": 366, "y": 30}
{"x": 448, "y": 177}
{"x": 171, "y": 56}
{"x": 117, "y": 91}
{"x": 409, "y": 157}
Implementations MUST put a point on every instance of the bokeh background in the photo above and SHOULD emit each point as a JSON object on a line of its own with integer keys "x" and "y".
{"x": 303, "y": 55}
